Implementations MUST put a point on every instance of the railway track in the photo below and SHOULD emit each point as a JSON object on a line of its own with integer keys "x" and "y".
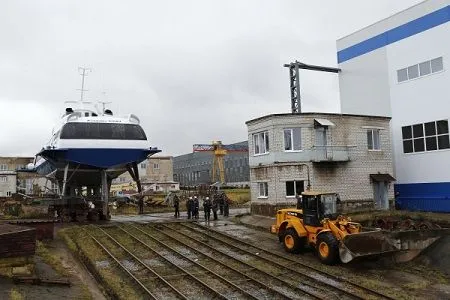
{"x": 191, "y": 261}
{"x": 343, "y": 287}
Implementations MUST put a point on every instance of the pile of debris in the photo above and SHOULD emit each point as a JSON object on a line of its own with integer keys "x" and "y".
{"x": 392, "y": 223}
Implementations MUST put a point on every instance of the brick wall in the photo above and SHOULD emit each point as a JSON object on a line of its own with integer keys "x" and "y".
{"x": 17, "y": 241}
{"x": 348, "y": 178}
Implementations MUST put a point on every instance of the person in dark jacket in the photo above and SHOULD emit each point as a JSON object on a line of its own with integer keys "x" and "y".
{"x": 196, "y": 205}
{"x": 141, "y": 204}
{"x": 226, "y": 206}
{"x": 176, "y": 205}
{"x": 189, "y": 205}
{"x": 215, "y": 207}
{"x": 207, "y": 208}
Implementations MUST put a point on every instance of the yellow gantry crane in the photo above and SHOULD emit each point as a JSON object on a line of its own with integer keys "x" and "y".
{"x": 219, "y": 151}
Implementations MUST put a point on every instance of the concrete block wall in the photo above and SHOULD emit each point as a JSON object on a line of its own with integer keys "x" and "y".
{"x": 350, "y": 178}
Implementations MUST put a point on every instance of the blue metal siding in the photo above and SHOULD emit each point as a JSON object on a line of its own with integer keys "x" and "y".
{"x": 432, "y": 197}
{"x": 396, "y": 34}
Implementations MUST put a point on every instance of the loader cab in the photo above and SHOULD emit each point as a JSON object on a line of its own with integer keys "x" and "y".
{"x": 318, "y": 206}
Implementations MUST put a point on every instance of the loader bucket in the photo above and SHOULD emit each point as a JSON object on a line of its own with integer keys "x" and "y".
{"x": 403, "y": 245}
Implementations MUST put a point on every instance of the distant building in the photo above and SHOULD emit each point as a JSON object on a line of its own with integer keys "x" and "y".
{"x": 347, "y": 154}
{"x": 399, "y": 67}
{"x": 13, "y": 182}
{"x": 155, "y": 173}
{"x": 196, "y": 168}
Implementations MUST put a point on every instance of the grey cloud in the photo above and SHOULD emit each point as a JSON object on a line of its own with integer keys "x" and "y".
{"x": 193, "y": 71}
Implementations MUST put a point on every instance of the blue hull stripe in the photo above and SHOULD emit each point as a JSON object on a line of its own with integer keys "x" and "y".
{"x": 396, "y": 34}
{"x": 98, "y": 158}
{"x": 431, "y": 197}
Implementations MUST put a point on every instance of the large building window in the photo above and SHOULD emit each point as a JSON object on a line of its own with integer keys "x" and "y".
{"x": 3, "y": 178}
{"x": 3, "y": 167}
{"x": 421, "y": 69}
{"x": 261, "y": 142}
{"x": 294, "y": 188}
{"x": 373, "y": 139}
{"x": 292, "y": 139}
{"x": 263, "y": 190}
{"x": 429, "y": 136}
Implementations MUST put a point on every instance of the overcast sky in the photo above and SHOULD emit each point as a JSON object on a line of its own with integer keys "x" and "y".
{"x": 193, "y": 71}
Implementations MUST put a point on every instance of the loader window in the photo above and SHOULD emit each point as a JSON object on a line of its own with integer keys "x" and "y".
{"x": 311, "y": 203}
{"x": 328, "y": 207}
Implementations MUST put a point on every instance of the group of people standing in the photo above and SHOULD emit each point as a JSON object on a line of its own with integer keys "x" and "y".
{"x": 219, "y": 203}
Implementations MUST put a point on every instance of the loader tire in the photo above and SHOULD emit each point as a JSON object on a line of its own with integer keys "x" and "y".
{"x": 291, "y": 241}
{"x": 327, "y": 248}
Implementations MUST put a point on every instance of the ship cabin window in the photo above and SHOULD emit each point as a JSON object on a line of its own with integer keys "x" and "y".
{"x": 102, "y": 131}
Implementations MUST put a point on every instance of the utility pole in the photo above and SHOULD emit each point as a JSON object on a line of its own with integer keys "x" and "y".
{"x": 83, "y": 72}
{"x": 294, "y": 79}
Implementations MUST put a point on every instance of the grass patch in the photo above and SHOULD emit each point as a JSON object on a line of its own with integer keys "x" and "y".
{"x": 50, "y": 258}
{"x": 114, "y": 282}
{"x": 14, "y": 294}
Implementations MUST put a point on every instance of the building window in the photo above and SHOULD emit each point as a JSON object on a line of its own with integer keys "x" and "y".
{"x": 8, "y": 194}
{"x": 3, "y": 179}
{"x": 54, "y": 187}
{"x": 156, "y": 166}
{"x": 293, "y": 139}
{"x": 294, "y": 188}
{"x": 143, "y": 166}
{"x": 429, "y": 136}
{"x": 3, "y": 167}
{"x": 261, "y": 142}
{"x": 373, "y": 139}
{"x": 421, "y": 69}
{"x": 263, "y": 189}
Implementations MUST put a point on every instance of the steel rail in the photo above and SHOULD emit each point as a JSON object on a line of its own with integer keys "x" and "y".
{"x": 194, "y": 262}
{"x": 348, "y": 293}
{"x": 220, "y": 295}
{"x": 143, "y": 264}
{"x": 224, "y": 264}
{"x": 293, "y": 261}
{"x": 123, "y": 267}
{"x": 284, "y": 282}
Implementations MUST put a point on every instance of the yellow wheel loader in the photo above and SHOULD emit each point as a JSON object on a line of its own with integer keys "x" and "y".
{"x": 316, "y": 223}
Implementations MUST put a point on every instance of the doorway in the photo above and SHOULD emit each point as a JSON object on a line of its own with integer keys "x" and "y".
{"x": 380, "y": 194}
{"x": 321, "y": 141}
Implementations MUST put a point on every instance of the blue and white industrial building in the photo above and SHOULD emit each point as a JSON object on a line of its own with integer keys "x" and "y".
{"x": 398, "y": 67}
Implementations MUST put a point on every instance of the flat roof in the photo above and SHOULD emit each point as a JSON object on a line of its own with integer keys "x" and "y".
{"x": 312, "y": 114}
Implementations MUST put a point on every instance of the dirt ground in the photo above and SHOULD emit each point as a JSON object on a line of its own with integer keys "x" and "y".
{"x": 52, "y": 261}
{"x": 426, "y": 277}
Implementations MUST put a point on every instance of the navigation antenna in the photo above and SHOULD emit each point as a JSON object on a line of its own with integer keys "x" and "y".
{"x": 83, "y": 72}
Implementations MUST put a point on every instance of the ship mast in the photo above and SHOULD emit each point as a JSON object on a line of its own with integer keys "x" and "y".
{"x": 83, "y": 72}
